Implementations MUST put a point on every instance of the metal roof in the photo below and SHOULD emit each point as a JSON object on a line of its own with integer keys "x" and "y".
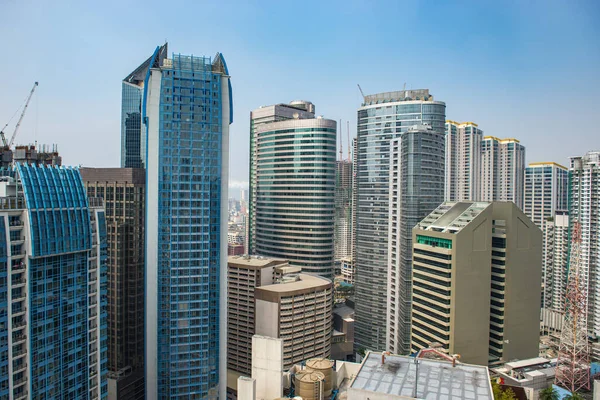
{"x": 437, "y": 380}
{"x": 451, "y": 216}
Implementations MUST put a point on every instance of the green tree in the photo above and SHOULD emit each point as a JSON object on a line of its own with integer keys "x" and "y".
{"x": 508, "y": 394}
{"x": 574, "y": 396}
{"x": 496, "y": 390}
{"x": 549, "y": 394}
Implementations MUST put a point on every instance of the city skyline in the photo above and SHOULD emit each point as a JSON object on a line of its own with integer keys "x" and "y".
{"x": 503, "y": 54}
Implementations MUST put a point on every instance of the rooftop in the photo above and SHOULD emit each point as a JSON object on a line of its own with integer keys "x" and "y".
{"x": 253, "y": 261}
{"x": 437, "y": 380}
{"x": 451, "y": 216}
{"x": 305, "y": 281}
{"x": 398, "y": 96}
{"x": 546, "y": 164}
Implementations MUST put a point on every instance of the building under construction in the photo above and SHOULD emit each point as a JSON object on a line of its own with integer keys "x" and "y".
{"x": 31, "y": 154}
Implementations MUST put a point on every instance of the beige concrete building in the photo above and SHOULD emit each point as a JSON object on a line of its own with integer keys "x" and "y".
{"x": 244, "y": 275}
{"x": 476, "y": 282}
{"x": 297, "y": 309}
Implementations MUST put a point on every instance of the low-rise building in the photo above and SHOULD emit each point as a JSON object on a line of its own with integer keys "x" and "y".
{"x": 533, "y": 374}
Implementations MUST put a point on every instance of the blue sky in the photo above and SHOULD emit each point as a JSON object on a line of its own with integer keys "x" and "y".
{"x": 524, "y": 69}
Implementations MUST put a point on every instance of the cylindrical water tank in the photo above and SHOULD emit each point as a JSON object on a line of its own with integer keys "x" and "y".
{"x": 309, "y": 385}
{"x": 324, "y": 366}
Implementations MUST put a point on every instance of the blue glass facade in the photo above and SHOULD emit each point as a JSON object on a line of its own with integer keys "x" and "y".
{"x": 57, "y": 286}
{"x": 188, "y": 148}
{"x": 3, "y": 312}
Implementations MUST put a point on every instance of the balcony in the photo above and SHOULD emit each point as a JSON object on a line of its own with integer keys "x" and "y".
{"x": 21, "y": 395}
{"x": 20, "y": 381}
{"x": 18, "y": 338}
{"x": 19, "y": 368}
{"x": 18, "y": 281}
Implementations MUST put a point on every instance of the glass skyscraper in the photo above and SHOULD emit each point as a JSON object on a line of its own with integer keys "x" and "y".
{"x": 382, "y": 119}
{"x": 52, "y": 286}
{"x": 186, "y": 111}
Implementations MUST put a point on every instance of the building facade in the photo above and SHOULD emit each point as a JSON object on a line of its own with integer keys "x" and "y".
{"x": 52, "y": 286}
{"x": 416, "y": 182}
{"x": 267, "y": 115}
{"x": 476, "y": 279}
{"x": 294, "y": 193}
{"x": 123, "y": 193}
{"x": 297, "y": 309}
{"x": 244, "y": 275}
{"x": 382, "y": 118}
{"x": 555, "y": 261}
{"x": 546, "y": 191}
{"x": 584, "y": 207}
{"x": 186, "y": 111}
{"x": 502, "y": 170}
{"x": 343, "y": 209}
{"x": 463, "y": 161}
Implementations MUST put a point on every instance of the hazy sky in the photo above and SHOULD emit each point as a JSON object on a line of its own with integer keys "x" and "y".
{"x": 524, "y": 69}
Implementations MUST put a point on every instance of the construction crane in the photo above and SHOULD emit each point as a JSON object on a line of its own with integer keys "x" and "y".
{"x": 8, "y": 144}
{"x": 361, "y": 91}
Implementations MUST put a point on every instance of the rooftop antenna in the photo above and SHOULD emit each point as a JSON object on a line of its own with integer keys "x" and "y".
{"x": 341, "y": 155}
{"x": 348, "y": 132}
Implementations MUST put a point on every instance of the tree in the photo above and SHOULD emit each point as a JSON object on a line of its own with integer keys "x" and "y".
{"x": 574, "y": 396}
{"x": 508, "y": 394}
{"x": 549, "y": 394}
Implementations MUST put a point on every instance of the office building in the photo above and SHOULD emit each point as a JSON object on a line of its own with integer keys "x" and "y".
{"x": 186, "y": 111}
{"x": 382, "y": 118}
{"x": 244, "y": 275}
{"x": 123, "y": 193}
{"x": 556, "y": 261}
{"x": 343, "y": 209}
{"x": 297, "y": 309}
{"x": 502, "y": 170}
{"x": 476, "y": 279}
{"x": 52, "y": 286}
{"x": 342, "y": 342}
{"x": 416, "y": 188}
{"x": 584, "y": 207}
{"x": 546, "y": 190}
{"x": 267, "y": 115}
{"x": 463, "y": 161}
{"x": 394, "y": 377}
{"x": 293, "y": 189}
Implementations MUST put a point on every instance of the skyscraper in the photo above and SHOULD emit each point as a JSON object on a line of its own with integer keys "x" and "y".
{"x": 383, "y": 118}
{"x": 266, "y": 115}
{"x": 546, "y": 190}
{"x": 463, "y": 161}
{"x": 52, "y": 286}
{"x": 343, "y": 209}
{"x": 502, "y": 170}
{"x": 186, "y": 111}
{"x": 584, "y": 206}
{"x": 133, "y": 92}
{"x": 123, "y": 192}
{"x": 476, "y": 280}
{"x": 555, "y": 261}
{"x": 416, "y": 188}
{"x": 293, "y": 189}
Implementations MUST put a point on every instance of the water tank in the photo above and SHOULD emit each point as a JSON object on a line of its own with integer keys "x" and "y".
{"x": 309, "y": 385}
{"x": 324, "y": 366}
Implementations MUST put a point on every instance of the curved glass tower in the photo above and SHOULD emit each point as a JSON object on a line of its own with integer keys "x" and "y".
{"x": 382, "y": 119}
{"x": 294, "y": 189}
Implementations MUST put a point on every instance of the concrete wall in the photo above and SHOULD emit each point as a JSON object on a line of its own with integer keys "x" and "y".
{"x": 471, "y": 280}
{"x": 266, "y": 318}
{"x": 246, "y": 388}
{"x": 267, "y": 367}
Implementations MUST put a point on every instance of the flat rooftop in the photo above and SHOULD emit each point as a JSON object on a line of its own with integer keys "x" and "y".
{"x": 253, "y": 261}
{"x": 305, "y": 282}
{"x": 452, "y": 216}
{"x": 437, "y": 380}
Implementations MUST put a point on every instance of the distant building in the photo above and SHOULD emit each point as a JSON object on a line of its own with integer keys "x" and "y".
{"x": 416, "y": 186}
{"x": 348, "y": 270}
{"x": 293, "y": 188}
{"x": 546, "y": 191}
{"x": 463, "y": 161}
{"x": 343, "y": 210}
{"x": 584, "y": 206}
{"x": 298, "y": 310}
{"x": 30, "y": 154}
{"x": 502, "y": 170}
{"x": 392, "y": 377}
{"x": 235, "y": 249}
{"x": 123, "y": 192}
{"x": 52, "y": 286}
{"x": 483, "y": 313}
{"x": 234, "y": 237}
{"x": 382, "y": 119}
{"x": 555, "y": 261}
{"x": 533, "y": 375}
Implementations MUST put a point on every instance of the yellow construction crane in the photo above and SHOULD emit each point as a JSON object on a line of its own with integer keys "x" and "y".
{"x": 8, "y": 144}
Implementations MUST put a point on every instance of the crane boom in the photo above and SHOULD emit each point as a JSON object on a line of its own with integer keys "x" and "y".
{"x": 12, "y": 138}
{"x": 361, "y": 91}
